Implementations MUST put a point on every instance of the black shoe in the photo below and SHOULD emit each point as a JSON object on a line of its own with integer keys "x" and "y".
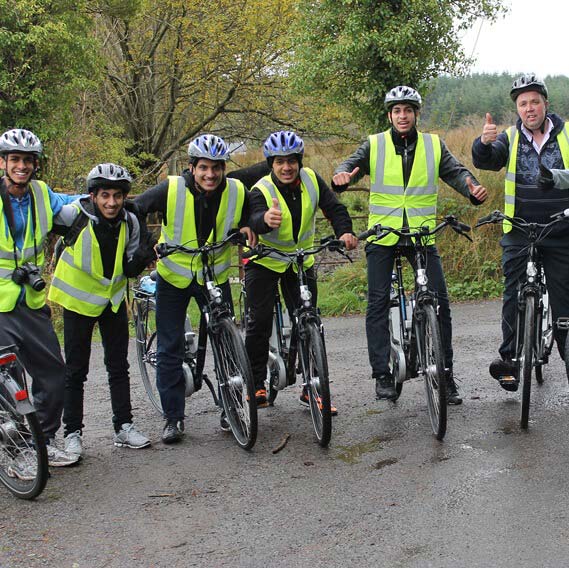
{"x": 452, "y": 390}
{"x": 504, "y": 371}
{"x": 224, "y": 423}
{"x": 173, "y": 431}
{"x": 385, "y": 388}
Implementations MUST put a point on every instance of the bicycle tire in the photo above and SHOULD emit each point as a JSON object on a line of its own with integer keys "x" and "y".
{"x": 21, "y": 437}
{"x": 525, "y": 364}
{"x": 434, "y": 371}
{"x": 236, "y": 384}
{"x": 315, "y": 374}
{"x": 567, "y": 355}
{"x": 146, "y": 347}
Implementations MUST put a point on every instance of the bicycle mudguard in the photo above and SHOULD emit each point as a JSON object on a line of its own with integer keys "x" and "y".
{"x": 18, "y": 395}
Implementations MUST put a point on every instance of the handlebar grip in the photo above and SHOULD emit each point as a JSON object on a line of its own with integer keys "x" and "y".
{"x": 327, "y": 239}
{"x": 463, "y": 227}
{"x": 564, "y": 213}
{"x": 363, "y": 236}
{"x": 494, "y": 216}
{"x": 162, "y": 250}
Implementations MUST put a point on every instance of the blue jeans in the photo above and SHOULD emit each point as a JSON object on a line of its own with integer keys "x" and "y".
{"x": 379, "y": 269}
{"x": 171, "y": 306}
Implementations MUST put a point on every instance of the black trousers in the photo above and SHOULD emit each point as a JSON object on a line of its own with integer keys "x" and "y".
{"x": 556, "y": 266}
{"x": 78, "y": 334}
{"x": 261, "y": 287}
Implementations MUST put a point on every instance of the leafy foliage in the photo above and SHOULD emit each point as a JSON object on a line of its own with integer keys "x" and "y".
{"x": 46, "y": 57}
{"x": 352, "y": 51}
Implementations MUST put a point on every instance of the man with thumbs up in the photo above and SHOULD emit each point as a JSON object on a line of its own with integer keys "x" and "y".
{"x": 537, "y": 143}
{"x": 404, "y": 166}
{"x": 283, "y": 206}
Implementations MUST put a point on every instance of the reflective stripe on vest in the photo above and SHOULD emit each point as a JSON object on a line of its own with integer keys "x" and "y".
{"x": 389, "y": 197}
{"x": 9, "y": 291}
{"x": 179, "y": 269}
{"x": 282, "y": 238}
{"x": 79, "y": 283}
{"x": 511, "y": 168}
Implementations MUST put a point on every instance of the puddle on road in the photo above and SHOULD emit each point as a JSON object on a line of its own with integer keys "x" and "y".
{"x": 351, "y": 454}
{"x": 384, "y": 463}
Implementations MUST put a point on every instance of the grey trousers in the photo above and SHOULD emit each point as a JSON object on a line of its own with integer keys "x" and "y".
{"x": 31, "y": 331}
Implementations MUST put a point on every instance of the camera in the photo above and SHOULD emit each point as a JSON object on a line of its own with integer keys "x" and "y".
{"x": 29, "y": 273}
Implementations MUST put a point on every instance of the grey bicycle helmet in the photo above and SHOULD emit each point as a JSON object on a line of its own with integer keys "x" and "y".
{"x": 402, "y": 94}
{"x": 108, "y": 176}
{"x": 20, "y": 140}
{"x": 210, "y": 147}
{"x": 528, "y": 82}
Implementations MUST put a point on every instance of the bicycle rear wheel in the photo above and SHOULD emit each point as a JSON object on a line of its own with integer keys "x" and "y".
{"x": 146, "y": 347}
{"x": 434, "y": 371}
{"x": 525, "y": 362}
{"x": 235, "y": 383}
{"x": 315, "y": 373}
{"x": 23, "y": 455}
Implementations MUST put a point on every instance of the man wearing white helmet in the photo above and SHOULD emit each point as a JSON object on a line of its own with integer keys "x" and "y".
{"x": 27, "y": 210}
{"x": 104, "y": 244}
{"x": 197, "y": 207}
{"x": 537, "y": 143}
{"x": 398, "y": 160}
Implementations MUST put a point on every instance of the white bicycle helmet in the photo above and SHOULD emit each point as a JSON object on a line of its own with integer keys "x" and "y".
{"x": 20, "y": 140}
{"x": 402, "y": 94}
{"x": 108, "y": 176}
{"x": 528, "y": 82}
{"x": 210, "y": 147}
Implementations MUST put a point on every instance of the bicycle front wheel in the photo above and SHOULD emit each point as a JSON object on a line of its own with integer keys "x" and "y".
{"x": 525, "y": 364}
{"x": 146, "y": 348}
{"x": 544, "y": 323}
{"x": 235, "y": 383}
{"x": 23, "y": 455}
{"x": 315, "y": 372}
{"x": 434, "y": 371}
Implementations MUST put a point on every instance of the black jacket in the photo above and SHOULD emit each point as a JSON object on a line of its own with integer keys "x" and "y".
{"x": 451, "y": 171}
{"x": 333, "y": 210}
{"x": 206, "y": 205}
{"x": 532, "y": 204}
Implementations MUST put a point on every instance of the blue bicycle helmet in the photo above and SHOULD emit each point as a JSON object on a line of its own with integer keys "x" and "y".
{"x": 210, "y": 147}
{"x": 283, "y": 143}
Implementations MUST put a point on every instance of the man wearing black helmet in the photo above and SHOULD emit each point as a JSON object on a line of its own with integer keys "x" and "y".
{"x": 104, "y": 245}
{"x": 539, "y": 139}
{"x": 404, "y": 166}
{"x": 27, "y": 211}
{"x": 199, "y": 206}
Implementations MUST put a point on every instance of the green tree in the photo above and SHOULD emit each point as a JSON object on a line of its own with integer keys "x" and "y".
{"x": 46, "y": 59}
{"x": 353, "y": 51}
{"x": 177, "y": 68}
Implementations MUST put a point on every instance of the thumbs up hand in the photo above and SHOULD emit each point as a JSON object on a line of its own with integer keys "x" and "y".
{"x": 489, "y": 132}
{"x": 479, "y": 192}
{"x": 273, "y": 216}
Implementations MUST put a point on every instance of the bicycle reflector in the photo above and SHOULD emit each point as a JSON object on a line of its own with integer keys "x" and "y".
{"x": 21, "y": 395}
{"x": 7, "y": 359}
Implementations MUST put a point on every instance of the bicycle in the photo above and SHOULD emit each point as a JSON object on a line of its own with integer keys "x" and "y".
{"x": 303, "y": 340}
{"x": 23, "y": 454}
{"x": 231, "y": 365}
{"x": 534, "y": 328}
{"x": 416, "y": 347}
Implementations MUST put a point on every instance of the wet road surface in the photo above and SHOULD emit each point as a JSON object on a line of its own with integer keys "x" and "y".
{"x": 385, "y": 493}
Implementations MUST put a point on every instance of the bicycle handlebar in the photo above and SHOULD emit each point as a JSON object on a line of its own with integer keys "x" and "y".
{"x": 518, "y": 222}
{"x": 380, "y": 231}
{"x": 262, "y": 250}
{"x": 233, "y": 236}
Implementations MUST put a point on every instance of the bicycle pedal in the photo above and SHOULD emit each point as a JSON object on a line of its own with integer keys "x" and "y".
{"x": 562, "y": 323}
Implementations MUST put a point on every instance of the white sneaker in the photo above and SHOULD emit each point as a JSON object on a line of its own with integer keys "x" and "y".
{"x": 59, "y": 458}
{"x": 128, "y": 436}
{"x": 74, "y": 443}
{"x": 24, "y": 466}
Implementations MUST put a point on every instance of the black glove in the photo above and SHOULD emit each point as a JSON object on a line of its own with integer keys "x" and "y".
{"x": 132, "y": 207}
{"x": 545, "y": 178}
